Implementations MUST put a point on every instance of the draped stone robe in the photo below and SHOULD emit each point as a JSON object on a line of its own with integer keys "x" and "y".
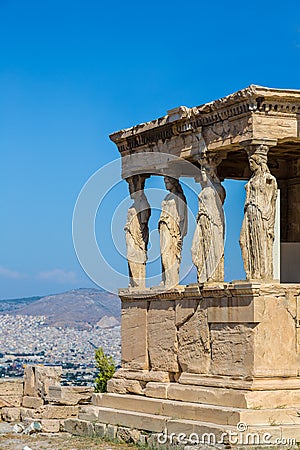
{"x": 257, "y": 234}
{"x": 172, "y": 229}
{"x": 208, "y": 241}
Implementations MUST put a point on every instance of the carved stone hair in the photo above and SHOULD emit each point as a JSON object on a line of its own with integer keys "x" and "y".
{"x": 262, "y": 160}
{"x": 137, "y": 181}
{"x": 176, "y": 183}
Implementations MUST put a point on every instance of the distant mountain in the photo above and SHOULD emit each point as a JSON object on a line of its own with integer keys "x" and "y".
{"x": 79, "y": 308}
{"x": 11, "y": 304}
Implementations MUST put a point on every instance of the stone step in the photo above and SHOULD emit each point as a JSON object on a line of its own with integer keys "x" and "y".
{"x": 220, "y": 415}
{"x": 149, "y": 422}
{"x": 236, "y": 398}
{"x": 170, "y": 428}
{"x": 191, "y": 432}
{"x": 126, "y": 418}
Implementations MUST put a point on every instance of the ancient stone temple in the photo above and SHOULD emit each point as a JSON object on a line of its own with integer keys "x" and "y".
{"x": 211, "y": 355}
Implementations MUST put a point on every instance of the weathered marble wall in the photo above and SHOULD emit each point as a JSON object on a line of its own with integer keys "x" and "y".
{"x": 230, "y": 330}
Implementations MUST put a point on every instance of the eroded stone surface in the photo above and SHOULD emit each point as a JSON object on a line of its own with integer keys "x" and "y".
{"x": 70, "y": 395}
{"x": 50, "y": 425}
{"x": 32, "y": 402}
{"x": 134, "y": 335}
{"x": 127, "y": 435}
{"x": 185, "y": 308}
{"x": 276, "y": 339}
{"x": 79, "y": 427}
{"x": 10, "y": 414}
{"x": 49, "y": 412}
{"x": 46, "y": 376}
{"x": 10, "y": 400}
{"x": 89, "y": 413}
{"x": 143, "y": 375}
{"x": 29, "y": 381}
{"x": 123, "y": 386}
{"x": 11, "y": 387}
{"x": 157, "y": 390}
{"x": 194, "y": 348}
{"x": 100, "y": 429}
{"x": 232, "y": 349}
{"x": 38, "y": 379}
{"x": 162, "y": 336}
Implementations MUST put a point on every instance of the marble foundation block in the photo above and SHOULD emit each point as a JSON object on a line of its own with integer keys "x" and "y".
{"x": 216, "y": 329}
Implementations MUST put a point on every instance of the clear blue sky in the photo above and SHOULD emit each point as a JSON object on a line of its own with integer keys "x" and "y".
{"x": 73, "y": 71}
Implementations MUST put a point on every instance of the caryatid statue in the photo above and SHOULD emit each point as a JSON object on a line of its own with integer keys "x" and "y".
{"x": 137, "y": 232}
{"x": 172, "y": 228}
{"x": 208, "y": 241}
{"x": 257, "y": 234}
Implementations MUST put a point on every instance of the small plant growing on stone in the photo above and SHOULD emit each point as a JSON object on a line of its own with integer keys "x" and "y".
{"x": 106, "y": 369}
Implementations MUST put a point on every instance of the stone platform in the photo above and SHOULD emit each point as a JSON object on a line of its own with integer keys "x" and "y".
{"x": 208, "y": 419}
{"x": 225, "y": 329}
{"x": 206, "y": 359}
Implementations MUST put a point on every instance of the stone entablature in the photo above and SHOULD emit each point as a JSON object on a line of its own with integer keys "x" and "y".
{"x": 253, "y": 100}
{"x": 257, "y": 114}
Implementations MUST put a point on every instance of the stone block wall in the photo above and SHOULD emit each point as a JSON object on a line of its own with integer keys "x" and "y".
{"x": 40, "y": 397}
{"x": 230, "y": 330}
{"x": 11, "y": 398}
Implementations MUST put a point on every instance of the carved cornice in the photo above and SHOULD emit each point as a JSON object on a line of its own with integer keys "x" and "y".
{"x": 156, "y": 293}
{"x": 179, "y": 121}
{"x": 203, "y": 290}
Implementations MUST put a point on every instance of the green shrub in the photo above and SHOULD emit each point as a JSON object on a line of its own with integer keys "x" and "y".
{"x": 106, "y": 367}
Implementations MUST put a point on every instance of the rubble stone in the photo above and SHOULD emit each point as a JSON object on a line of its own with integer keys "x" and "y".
{"x": 70, "y": 395}
{"x": 10, "y": 414}
{"x": 79, "y": 427}
{"x": 122, "y": 386}
{"x": 32, "y": 402}
{"x": 100, "y": 429}
{"x": 50, "y": 425}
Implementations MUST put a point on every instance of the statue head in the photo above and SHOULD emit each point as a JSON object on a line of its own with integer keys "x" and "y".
{"x": 171, "y": 184}
{"x": 258, "y": 161}
{"x": 136, "y": 184}
{"x": 204, "y": 178}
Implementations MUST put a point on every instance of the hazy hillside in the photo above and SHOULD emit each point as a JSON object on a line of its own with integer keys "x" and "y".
{"x": 8, "y": 305}
{"x": 79, "y": 308}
